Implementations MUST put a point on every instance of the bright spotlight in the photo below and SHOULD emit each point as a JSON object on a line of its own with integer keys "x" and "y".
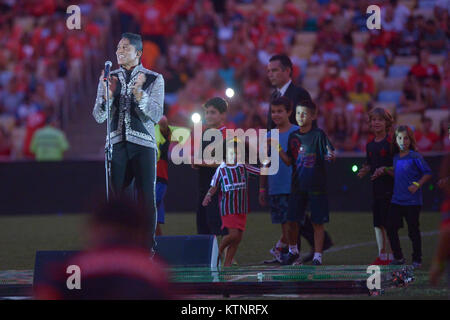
{"x": 229, "y": 93}
{"x": 196, "y": 117}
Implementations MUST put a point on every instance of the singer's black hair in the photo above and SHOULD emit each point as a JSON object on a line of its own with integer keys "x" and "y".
{"x": 135, "y": 40}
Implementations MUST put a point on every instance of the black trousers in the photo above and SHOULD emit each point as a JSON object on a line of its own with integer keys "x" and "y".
{"x": 130, "y": 161}
{"x": 395, "y": 222}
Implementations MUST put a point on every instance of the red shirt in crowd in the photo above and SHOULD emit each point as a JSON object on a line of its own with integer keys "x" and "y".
{"x": 425, "y": 141}
{"x": 76, "y": 46}
{"x": 155, "y": 19}
{"x": 422, "y": 71}
{"x": 336, "y": 86}
{"x": 366, "y": 79}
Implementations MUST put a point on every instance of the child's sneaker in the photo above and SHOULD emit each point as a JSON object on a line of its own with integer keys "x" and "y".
{"x": 289, "y": 258}
{"x": 276, "y": 253}
{"x": 316, "y": 262}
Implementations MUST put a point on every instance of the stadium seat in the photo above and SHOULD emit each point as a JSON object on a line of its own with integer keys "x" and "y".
{"x": 437, "y": 59}
{"x": 405, "y": 60}
{"x": 425, "y": 12}
{"x": 412, "y": 120}
{"x": 395, "y": 84}
{"x": 398, "y": 71}
{"x": 314, "y": 72}
{"x": 437, "y": 115}
{"x": 389, "y": 96}
{"x": 410, "y": 4}
{"x": 360, "y": 36}
{"x": 302, "y": 51}
{"x": 7, "y": 122}
{"x": 427, "y": 4}
{"x": 377, "y": 75}
{"x": 308, "y": 38}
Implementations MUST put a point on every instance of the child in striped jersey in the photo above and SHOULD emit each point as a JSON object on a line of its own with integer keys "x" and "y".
{"x": 232, "y": 179}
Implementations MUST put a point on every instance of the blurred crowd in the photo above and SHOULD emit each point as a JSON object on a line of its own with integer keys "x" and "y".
{"x": 203, "y": 47}
{"x": 38, "y": 55}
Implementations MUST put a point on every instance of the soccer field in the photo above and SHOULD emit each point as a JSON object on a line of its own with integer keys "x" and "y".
{"x": 352, "y": 234}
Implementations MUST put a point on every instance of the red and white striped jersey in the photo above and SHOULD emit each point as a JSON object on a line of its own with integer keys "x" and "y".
{"x": 233, "y": 184}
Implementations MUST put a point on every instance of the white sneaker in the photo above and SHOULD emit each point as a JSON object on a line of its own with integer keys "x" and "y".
{"x": 276, "y": 254}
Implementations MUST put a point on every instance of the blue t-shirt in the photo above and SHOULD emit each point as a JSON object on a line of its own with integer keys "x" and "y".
{"x": 280, "y": 183}
{"x": 408, "y": 169}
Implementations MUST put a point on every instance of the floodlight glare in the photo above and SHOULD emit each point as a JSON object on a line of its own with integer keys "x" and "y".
{"x": 196, "y": 117}
{"x": 229, "y": 92}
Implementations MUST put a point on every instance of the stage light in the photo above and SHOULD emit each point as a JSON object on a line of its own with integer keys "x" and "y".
{"x": 196, "y": 117}
{"x": 229, "y": 93}
{"x": 354, "y": 168}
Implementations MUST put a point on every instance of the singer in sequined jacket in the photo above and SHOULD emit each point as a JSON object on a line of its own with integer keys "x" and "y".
{"x": 136, "y": 106}
{"x": 132, "y": 121}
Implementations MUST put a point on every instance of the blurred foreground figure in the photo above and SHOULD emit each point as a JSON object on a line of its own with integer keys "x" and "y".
{"x": 441, "y": 259}
{"x": 117, "y": 263}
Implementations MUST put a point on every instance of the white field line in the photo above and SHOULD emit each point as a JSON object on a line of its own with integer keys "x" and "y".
{"x": 369, "y": 243}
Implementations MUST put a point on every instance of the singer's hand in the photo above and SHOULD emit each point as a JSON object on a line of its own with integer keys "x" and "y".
{"x": 112, "y": 84}
{"x": 138, "y": 86}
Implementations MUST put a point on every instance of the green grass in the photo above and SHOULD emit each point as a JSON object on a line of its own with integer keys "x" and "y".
{"x": 22, "y": 236}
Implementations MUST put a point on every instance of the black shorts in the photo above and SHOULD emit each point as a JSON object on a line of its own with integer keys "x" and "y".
{"x": 298, "y": 203}
{"x": 380, "y": 211}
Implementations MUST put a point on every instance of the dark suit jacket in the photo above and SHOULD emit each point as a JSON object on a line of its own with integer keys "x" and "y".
{"x": 295, "y": 94}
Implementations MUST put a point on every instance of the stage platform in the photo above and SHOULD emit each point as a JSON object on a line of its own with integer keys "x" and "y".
{"x": 273, "y": 280}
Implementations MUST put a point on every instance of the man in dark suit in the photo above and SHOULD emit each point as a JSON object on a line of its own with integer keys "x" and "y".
{"x": 279, "y": 72}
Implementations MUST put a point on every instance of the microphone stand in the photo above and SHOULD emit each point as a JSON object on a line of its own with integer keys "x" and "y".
{"x": 108, "y": 148}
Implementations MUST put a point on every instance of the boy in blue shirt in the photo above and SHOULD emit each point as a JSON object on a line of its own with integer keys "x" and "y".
{"x": 410, "y": 173}
{"x": 279, "y": 184}
{"x": 308, "y": 149}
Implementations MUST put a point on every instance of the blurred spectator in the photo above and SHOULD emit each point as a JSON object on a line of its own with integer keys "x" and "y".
{"x": 433, "y": 38}
{"x": 412, "y": 99}
{"x": 5, "y": 144}
{"x": 361, "y": 76}
{"x": 332, "y": 82}
{"x": 49, "y": 143}
{"x": 424, "y": 68}
{"x": 116, "y": 264}
{"x": 360, "y": 98}
{"x": 425, "y": 138}
{"x": 409, "y": 39}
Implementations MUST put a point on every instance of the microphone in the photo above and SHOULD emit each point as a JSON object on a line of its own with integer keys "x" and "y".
{"x": 108, "y": 65}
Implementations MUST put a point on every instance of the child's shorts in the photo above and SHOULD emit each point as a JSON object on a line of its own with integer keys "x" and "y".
{"x": 234, "y": 221}
{"x": 160, "y": 192}
{"x": 279, "y": 205}
{"x": 298, "y": 203}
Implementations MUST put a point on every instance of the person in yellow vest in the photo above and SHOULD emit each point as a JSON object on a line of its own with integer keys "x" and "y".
{"x": 49, "y": 143}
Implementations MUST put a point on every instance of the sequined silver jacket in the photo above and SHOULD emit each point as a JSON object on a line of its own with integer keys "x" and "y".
{"x": 131, "y": 120}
